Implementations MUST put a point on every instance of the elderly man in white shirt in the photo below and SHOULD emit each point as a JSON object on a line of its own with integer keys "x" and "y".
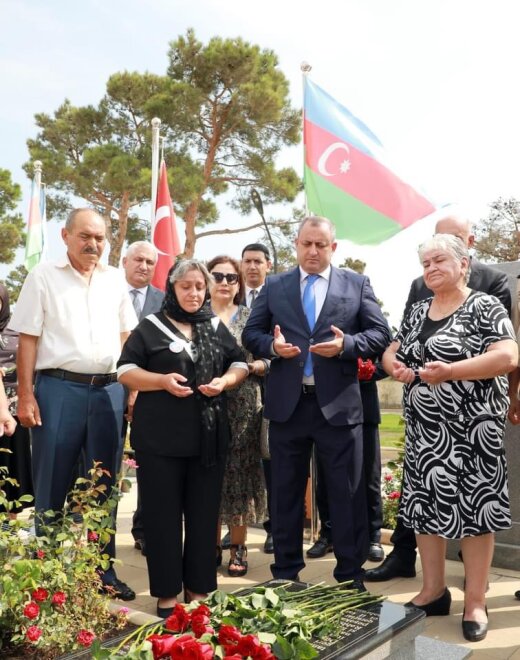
{"x": 73, "y": 317}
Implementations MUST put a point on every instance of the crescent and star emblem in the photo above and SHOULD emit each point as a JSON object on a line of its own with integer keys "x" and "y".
{"x": 322, "y": 163}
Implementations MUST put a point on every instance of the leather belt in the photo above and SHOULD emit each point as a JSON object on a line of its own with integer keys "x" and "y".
{"x": 309, "y": 389}
{"x": 98, "y": 380}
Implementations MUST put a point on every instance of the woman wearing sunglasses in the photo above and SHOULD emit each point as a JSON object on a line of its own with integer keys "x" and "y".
{"x": 243, "y": 493}
{"x": 181, "y": 360}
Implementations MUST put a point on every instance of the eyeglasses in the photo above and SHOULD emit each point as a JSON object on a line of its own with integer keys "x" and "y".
{"x": 231, "y": 278}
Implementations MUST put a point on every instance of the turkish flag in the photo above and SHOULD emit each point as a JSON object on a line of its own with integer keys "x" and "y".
{"x": 164, "y": 231}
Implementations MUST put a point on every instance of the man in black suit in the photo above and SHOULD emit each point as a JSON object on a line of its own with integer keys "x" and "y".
{"x": 401, "y": 561}
{"x": 314, "y": 322}
{"x": 372, "y": 469}
{"x": 139, "y": 264}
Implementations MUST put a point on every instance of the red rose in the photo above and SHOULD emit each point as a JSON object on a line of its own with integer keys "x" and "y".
{"x": 179, "y": 620}
{"x": 264, "y": 653}
{"x": 200, "y": 624}
{"x": 229, "y": 635}
{"x": 234, "y": 656}
{"x": 92, "y": 536}
{"x": 366, "y": 369}
{"x": 40, "y": 595}
{"x": 249, "y": 645}
{"x": 186, "y": 647}
{"x": 85, "y": 637}
{"x": 59, "y": 598}
{"x": 162, "y": 645}
{"x": 394, "y": 495}
{"x": 40, "y": 554}
{"x": 388, "y": 477}
{"x": 201, "y": 609}
{"x": 31, "y": 610}
{"x": 33, "y": 633}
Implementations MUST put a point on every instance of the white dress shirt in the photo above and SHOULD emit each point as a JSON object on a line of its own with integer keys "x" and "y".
{"x": 78, "y": 322}
{"x": 248, "y": 294}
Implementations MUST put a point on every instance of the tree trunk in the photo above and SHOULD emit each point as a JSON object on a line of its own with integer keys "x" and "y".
{"x": 190, "y": 218}
{"x": 118, "y": 237}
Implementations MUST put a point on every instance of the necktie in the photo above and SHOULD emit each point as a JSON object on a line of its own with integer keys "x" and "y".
{"x": 136, "y": 301}
{"x": 254, "y": 294}
{"x": 309, "y": 307}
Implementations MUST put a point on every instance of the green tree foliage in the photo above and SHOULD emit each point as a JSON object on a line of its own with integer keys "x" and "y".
{"x": 354, "y": 264}
{"x": 498, "y": 235}
{"x": 14, "y": 282}
{"x": 11, "y": 224}
{"x": 225, "y": 115}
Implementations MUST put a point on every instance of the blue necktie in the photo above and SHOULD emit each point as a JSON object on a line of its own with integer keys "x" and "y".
{"x": 309, "y": 307}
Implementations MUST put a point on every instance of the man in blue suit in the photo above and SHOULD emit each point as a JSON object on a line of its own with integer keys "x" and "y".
{"x": 314, "y": 322}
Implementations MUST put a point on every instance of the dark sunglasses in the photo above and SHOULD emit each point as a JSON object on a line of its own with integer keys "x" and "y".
{"x": 231, "y": 278}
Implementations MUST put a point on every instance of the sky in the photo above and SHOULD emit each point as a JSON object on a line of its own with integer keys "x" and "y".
{"x": 435, "y": 80}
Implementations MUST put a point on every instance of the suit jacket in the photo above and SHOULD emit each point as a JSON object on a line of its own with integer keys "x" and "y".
{"x": 350, "y": 305}
{"x": 152, "y": 302}
{"x": 482, "y": 278}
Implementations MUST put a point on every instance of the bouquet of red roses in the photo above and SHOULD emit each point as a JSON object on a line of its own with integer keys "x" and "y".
{"x": 366, "y": 369}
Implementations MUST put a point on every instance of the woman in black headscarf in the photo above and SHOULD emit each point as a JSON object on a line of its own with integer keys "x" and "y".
{"x": 18, "y": 459}
{"x": 181, "y": 360}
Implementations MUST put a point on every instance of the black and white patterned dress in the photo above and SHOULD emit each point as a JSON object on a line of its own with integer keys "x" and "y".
{"x": 455, "y": 481}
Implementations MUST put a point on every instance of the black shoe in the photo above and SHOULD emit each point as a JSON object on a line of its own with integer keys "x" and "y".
{"x": 391, "y": 568}
{"x": 376, "y": 552}
{"x": 438, "y": 607}
{"x": 517, "y": 594}
{"x": 269, "y": 545}
{"x": 320, "y": 548}
{"x": 474, "y": 631}
{"x": 226, "y": 541}
{"x": 139, "y": 544}
{"x": 164, "y": 612}
{"x": 358, "y": 585}
{"x": 118, "y": 589}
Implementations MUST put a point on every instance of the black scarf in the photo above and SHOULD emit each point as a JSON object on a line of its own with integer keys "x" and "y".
{"x": 208, "y": 365}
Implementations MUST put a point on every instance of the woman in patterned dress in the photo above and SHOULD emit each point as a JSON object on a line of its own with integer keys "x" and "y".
{"x": 243, "y": 493}
{"x": 452, "y": 352}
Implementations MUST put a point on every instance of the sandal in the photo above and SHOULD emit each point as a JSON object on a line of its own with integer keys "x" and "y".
{"x": 219, "y": 555}
{"x": 237, "y": 564}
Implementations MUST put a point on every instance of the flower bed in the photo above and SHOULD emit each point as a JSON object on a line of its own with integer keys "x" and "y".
{"x": 50, "y": 599}
{"x": 391, "y": 480}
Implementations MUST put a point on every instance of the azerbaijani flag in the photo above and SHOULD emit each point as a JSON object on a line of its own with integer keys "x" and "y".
{"x": 36, "y": 225}
{"x": 347, "y": 176}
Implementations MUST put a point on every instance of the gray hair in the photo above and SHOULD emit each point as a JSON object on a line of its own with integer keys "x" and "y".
{"x": 185, "y": 265}
{"x": 142, "y": 244}
{"x": 69, "y": 222}
{"x": 316, "y": 220}
{"x": 453, "y": 245}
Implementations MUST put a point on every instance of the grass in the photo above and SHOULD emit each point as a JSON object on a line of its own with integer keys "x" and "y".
{"x": 391, "y": 430}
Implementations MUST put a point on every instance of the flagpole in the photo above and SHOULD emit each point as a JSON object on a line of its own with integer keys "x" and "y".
{"x": 38, "y": 173}
{"x": 305, "y": 68}
{"x": 156, "y": 127}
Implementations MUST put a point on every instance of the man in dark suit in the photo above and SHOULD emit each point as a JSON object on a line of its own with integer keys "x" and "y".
{"x": 139, "y": 264}
{"x": 401, "y": 561}
{"x": 314, "y": 322}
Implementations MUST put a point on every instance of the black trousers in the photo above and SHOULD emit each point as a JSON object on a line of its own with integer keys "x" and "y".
{"x": 172, "y": 490}
{"x": 340, "y": 450}
{"x": 372, "y": 471}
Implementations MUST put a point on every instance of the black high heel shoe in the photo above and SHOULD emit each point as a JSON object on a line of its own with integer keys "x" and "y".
{"x": 164, "y": 612}
{"x": 238, "y": 564}
{"x": 438, "y": 607}
{"x": 474, "y": 631}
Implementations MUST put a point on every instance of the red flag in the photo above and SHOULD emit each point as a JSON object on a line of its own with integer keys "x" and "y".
{"x": 164, "y": 231}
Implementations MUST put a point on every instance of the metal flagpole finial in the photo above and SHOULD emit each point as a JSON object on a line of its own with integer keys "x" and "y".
{"x": 156, "y": 122}
{"x": 305, "y": 67}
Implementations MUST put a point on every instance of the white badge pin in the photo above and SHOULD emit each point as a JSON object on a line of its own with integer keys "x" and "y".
{"x": 175, "y": 347}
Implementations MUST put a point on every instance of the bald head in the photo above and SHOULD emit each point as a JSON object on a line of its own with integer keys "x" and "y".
{"x": 456, "y": 225}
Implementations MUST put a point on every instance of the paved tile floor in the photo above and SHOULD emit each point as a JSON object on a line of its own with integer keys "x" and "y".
{"x": 502, "y": 641}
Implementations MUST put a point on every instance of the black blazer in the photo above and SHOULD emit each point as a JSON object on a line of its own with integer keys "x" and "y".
{"x": 482, "y": 278}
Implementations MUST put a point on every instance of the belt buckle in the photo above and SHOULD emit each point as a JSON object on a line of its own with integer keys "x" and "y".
{"x": 94, "y": 380}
